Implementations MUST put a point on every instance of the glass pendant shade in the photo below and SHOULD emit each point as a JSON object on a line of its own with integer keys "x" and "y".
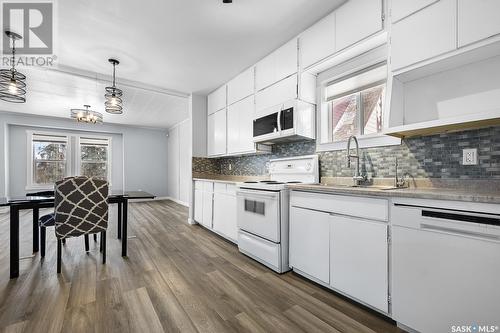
{"x": 12, "y": 83}
{"x": 86, "y": 115}
{"x": 113, "y": 103}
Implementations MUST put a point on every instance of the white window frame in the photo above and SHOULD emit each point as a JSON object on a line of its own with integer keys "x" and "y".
{"x": 345, "y": 71}
{"x": 73, "y": 156}
{"x": 31, "y": 185}
{"x": 78, "y": 153}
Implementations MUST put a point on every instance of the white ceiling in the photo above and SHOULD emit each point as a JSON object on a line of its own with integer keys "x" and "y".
{"x": 178, "y": 45}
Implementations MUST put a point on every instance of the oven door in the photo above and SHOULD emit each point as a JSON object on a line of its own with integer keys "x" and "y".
{"x": 259, "y": 213}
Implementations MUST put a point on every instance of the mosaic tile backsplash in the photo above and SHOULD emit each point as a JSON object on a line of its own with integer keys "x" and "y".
{"x": 435, "y": 156}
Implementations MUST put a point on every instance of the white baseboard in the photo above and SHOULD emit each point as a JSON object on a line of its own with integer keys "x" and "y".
{"x": 186, "y": 204}
{"x": 192, "y": 221}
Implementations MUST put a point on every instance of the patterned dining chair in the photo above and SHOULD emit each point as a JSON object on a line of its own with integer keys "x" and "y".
{"x": 81, "y": 208}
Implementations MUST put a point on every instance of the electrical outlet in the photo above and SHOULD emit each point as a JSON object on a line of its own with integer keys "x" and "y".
{"x": 230, "y": 167}
{"x": 470, "y": 156}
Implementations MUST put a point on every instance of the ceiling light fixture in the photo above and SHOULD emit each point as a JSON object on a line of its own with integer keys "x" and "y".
{"x": 86, "y": 115}
{"x": 12, "y": 83}
{"x": 227, "y": 1}
{"x": 113, "y": 95}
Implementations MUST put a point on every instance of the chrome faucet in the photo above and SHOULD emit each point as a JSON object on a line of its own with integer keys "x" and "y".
{"x": 358, "y": 178}
{"x": 399, "y": 181}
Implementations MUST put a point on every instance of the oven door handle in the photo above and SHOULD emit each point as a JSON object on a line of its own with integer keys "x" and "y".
{"x": 273, "y": 196}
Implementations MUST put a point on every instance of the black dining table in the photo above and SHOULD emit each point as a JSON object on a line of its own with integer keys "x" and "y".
{"x": 121, "y": 198}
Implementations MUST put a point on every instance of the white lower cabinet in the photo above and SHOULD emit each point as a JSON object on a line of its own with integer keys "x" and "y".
{"x": 359, "y": 259}
{"x": 215, "y": 207}
{"x": 198, "y": 205}
{"x": 348, "y": 253}
{"x": 225, "y": 215}
{"x": 310, "y": 243}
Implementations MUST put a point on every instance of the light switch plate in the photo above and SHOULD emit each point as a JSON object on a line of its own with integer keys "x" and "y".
{"x": 470, "y": 156}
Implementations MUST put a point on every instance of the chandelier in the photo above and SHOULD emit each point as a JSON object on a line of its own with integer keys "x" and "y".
{"x": 86, "y": 115}
{"x": 12, "y": 83}
{"x": 113, "y": 95}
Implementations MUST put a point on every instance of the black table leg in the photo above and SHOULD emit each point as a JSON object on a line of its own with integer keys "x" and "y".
{"x": 14, "y": 241}
{"x": 36, "y": 241}
{"x": 124, "y": 228}
{"x": 120, "y": 220}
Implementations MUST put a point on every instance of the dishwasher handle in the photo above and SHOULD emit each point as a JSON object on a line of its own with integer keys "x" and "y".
{"x": 461, "y": 217}
{"x": 459, "y": 232}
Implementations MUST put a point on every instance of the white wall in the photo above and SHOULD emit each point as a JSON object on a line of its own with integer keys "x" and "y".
{"x": 179, "y": 166}
{"x": 143, "y": 151}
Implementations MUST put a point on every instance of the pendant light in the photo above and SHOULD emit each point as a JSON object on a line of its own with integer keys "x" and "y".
{"x": 113, "y": 95}
{"x": 86, "y": 115}
{"x": 12, "y": 83}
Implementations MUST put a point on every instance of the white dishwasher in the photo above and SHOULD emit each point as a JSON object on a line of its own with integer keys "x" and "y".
{"x": 445, "y": 269}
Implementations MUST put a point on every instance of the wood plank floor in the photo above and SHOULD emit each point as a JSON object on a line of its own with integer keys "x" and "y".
{"x": 178, "y": 278}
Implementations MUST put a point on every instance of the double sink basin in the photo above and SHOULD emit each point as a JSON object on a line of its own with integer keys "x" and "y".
{"x": 367, "y": 187}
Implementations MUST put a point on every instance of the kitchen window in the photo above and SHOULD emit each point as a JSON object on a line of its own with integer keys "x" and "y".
{"x": 353, "y": 104}
{"x": 53, "y": 156}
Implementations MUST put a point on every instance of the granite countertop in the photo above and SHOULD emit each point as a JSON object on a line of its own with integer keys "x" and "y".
{"x": 480, "y": 196}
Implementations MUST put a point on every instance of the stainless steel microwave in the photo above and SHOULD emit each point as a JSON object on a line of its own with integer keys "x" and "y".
{"x": 291, "y": 121}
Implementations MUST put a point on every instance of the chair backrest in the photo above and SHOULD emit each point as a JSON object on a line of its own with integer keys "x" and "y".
{"x": 81, "y": 206}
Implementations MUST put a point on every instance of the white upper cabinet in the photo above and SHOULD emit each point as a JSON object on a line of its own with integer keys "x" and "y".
{"x": 217, "y": 100}
{"x": 240, "y": 126}
{"x": 403, "y": 8}
{"x": 276, "y": 94}
{"x": 318, "y": 42}
{"x": 477, "y": 20}
{"x": 241, "y": 86}
{"x": 356, "y": 20}
{"x": 216, "y": 133}
{"x": 427, "y": 33}
{"x": 277, "y": 66}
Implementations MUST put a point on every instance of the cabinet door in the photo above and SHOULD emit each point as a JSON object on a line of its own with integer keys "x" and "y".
{"x": 225, "y": 215}
{"x": 278, "y": 93}
{"x": 217, "y": 100}
{"x": 216, "y": 132}
{"x": 402, "y": 8}
{"x": 425, "y": 34}
{"x": 207, "y": 209}
{"x": 477, "y": 20}
{"x": 310, "y": 242}
{"x": 356, "y": 20}
{"x": 198, "y": 206}
{"x": 359, "y": 260}
{"x": 241, "y": 86}
{"x": 318, "y": 42}
{"x": 240, "y": 126}
{"x": 277, "y": 66}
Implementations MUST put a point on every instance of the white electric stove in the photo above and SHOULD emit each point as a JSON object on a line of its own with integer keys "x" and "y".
{"x": 262, "y": 210}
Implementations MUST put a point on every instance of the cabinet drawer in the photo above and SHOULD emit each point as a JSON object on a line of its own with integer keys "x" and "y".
{"x": 372, "y": 208}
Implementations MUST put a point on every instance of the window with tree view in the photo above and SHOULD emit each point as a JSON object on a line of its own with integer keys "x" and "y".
{"x": 49, "y": 158}
{"x": 94, "y": 157}
{"x": 354, "y": 106}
